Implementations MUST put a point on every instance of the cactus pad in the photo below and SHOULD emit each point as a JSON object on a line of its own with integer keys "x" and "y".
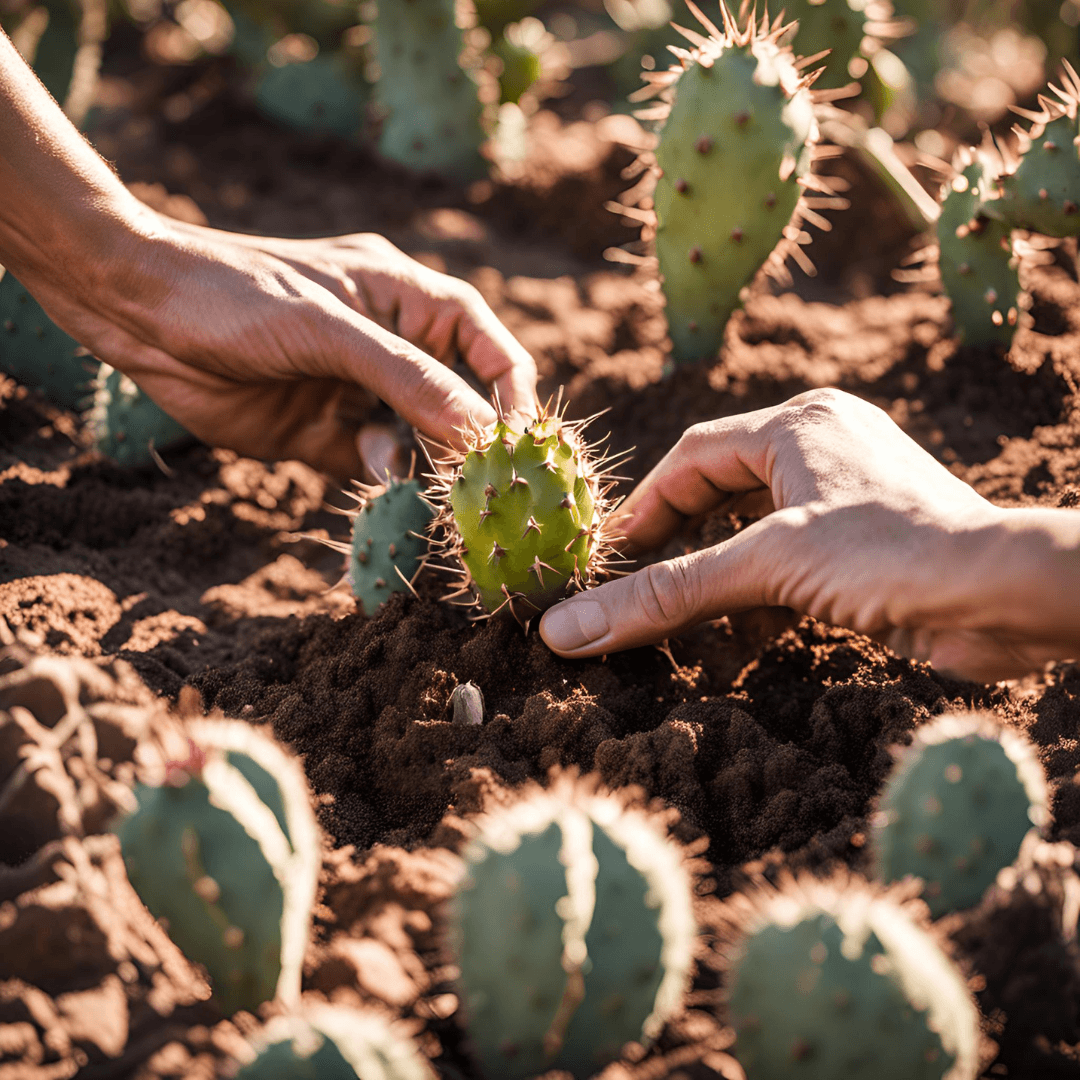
{"x": 388, "y": 542}
{"x": 332, "y": 1042}
{"x": 737, "y": 127}
{"x": 523, "y": 511}
{"x": 836, "y": 25}
{"x": 126, "y": 425}
{"x": 430, "y": 104}
{"x": 573, "y": 932}
{"x": 976, "y": 259}
{"x": 322, "y": 95}
{"x": 833, "y": 979}
{"x": 957, "y": 807}
{"x": 210, "y": 857}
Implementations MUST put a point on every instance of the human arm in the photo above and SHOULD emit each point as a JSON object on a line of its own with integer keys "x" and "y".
{"x": 265, "y": 346}
{"x": 867, "y": 531}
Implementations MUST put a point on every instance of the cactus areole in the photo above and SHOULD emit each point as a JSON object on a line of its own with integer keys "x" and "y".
{"x": 522, "y": 513}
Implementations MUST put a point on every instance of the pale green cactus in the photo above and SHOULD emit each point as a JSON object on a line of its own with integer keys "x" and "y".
{"x": 128, "y": 426}
{"x": 573, "y": 929}
{"x": 957, "y": 807}
{"x": 835, "y": 979}
{"x": 226, "y": 852}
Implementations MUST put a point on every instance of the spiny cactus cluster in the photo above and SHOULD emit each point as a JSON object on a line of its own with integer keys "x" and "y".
{"x": 225, "y": 850}
{"x": 333, "y": 1042}
{"x": 573, "y": 931}
{"x": 956, "y": 808}
{"x": 733, "y": 157}
{"x": 523, "y": 513}
{"x": 429, "y": 101}
{"x": 837, "y": 979}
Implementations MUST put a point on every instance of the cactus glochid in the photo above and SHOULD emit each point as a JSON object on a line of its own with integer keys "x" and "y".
{"x": 333, "y": 1042}
{"x": 573, "y": 931}
{"x": 226, "y": 850}
{"x": 524, "y": 512}
{"x": 734, "y": 155}
{"x": 956, "y": 808}
{"x": 836, "y": 979}
{"x": 430, "y": 102}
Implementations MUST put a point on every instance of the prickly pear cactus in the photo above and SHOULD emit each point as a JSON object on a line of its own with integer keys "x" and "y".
{"x": 126, "y": 425}
{"x": 430, "y": 104}
{"x": 232, "y": 874}
{"x": 35, "y": 351}
{"x": 836, "y": 25}
{"x": 957, "y": 807}
{"x": 734, "y": 144}
{"x": 332, "y": 1042}
{"x": 324, "y": 94}
{"x": 389, "y": 542}
{"x": 1043, "y": 192}
{"x": 573, "y": 932}
{"x": 978, "y": 268}
{"x": 832, "y": 980}
{"x": 523, "y": 513}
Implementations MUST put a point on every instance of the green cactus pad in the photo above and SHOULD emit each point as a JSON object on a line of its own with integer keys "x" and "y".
{"x": 732, "y": 149}
{"x": 573, "y": 931}
{"x": 956, "y": 809}
{"x": 332, "y": 1042}
{"x": 524, "y": 513}
{"x": 836, "y": 25}
{"x": 128, "y": 426}
{"x": 388, "y": 542}
{"x": 322, "y": 95}
{"x": 35, "y": 351}
{"x": 430, "y": 104}
{"x": 208, "y": 856}
{"x": 978, "y": 268}
{"x": 832, "y": 982}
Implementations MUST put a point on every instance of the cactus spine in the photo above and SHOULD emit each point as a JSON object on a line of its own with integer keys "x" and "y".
{"x": 389, "y": 543}
{"x": 976, "y": 260}
{"x": 956, "y": 808}
{"x": 523, "y": 512}
{"x": 835, "y": 979}
{"x": 332, "y": 1042}
{"x": 733, "y": 155}
{"x": 430, "y": 103}
{"x": 573, "y": 932}
{"x": 227, "y": 851}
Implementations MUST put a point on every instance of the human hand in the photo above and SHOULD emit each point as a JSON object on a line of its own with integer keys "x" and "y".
{"x": 867, "y": 531}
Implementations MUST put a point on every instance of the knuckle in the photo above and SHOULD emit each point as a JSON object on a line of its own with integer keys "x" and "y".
{"x": 665, "y": 592}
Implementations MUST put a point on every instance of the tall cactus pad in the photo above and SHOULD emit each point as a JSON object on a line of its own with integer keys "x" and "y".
{"x": 126, "y": 425}
{"x": 524, "y": 512}
{"x": 733, "y": 146}
{"x": 232, "y": 875}
{"x": 957, "y": 807}
{"x": 836, "y": 25}
{"x": 838, "y": 982}
{"x": 332, "y": 1042}
{"x": 978, "y": 268}
{"x": 35, "y": 351}
{"x": 431, "y": 108}
{"x": 573, "y": 932}
{"x": 388, "y": 542}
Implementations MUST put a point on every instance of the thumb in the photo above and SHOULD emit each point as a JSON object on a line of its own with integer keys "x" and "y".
{"x": 660, "y": 600}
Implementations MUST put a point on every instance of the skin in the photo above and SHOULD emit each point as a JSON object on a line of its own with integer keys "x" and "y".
{"x": 861, "y": 528}
{"x": 270, "y": 347}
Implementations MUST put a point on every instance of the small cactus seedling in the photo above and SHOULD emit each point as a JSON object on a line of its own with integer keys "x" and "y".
{"x": 734, "y": 155}
{"x": 1042, "y": 192}
{"x": 957, "y": 807}
{"x": 835, "y": 979}
{"x": 226, "y": 851}
{"x": 978, "y": 268}
{"x": 524, "y": 514}
{"x": 430, "y": 103}
{"x": 128, "y": 426}
{"x": 573, "y": 931}
{"x": 35, "y": 351}
{"x": 333, "y": 1042}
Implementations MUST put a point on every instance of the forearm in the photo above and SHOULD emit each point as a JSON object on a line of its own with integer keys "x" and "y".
{"x": 64, "y": 216}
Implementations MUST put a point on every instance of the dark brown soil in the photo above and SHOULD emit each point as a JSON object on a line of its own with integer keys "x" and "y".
{"x": 766, "y": 733}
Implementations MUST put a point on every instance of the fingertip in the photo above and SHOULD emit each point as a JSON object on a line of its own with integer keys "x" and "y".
{"x": 576, "y": 628}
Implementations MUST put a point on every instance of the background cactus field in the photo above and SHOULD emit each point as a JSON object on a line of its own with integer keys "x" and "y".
{"x": 761, "y": 744}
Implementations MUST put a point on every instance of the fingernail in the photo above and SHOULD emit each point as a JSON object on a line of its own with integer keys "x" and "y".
{"x": 573, "y": 624}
